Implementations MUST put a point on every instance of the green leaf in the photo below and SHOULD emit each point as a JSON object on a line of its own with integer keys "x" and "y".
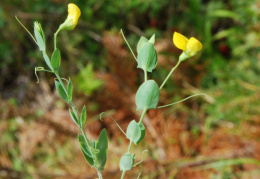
{"x": 61, "y": 91}
{"x": 86, "y": 150}
{"x": 102, "y": 145}
{"x": 95, "y": 143}
{"x": 126, "y": 162}
{"x": 147, "y": 96}
{"x": 39, "y": 39}
{"x": 70, "y": 90}
{"x": 133, "y": 132}
{"x": 74, "y": 117}
{"x": 83, "y": 116}
{"x": 141, "y": 125}
{"x": 55, "y": 60}
{"x": 147, "y": 57}
{"x": 94, "y": 151}
{"x": 141, "y": 43}
{"x": 152, "y": 39}
{"x": 47, "y": 60}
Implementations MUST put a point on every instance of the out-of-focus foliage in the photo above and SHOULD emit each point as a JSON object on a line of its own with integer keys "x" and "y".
{"x": 86, "y": 82}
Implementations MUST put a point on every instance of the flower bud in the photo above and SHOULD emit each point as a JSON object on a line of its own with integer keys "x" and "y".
{"x": 72, "y": 19}
{"x": 39, "y": 35}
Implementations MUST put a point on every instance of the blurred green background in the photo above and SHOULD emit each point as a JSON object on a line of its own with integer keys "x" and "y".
{"x": 213, "y": 137}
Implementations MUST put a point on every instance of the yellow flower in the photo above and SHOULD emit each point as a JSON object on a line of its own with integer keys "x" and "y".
{"x": 189, "y": 46}
{"x": 72, "y": 19}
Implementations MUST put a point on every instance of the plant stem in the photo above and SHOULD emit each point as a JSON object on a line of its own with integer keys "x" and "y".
{"x": 130, "y": 145}
{"x": 179, "y": 61}
{"x": 142, "y": 117}
{"x": 123, "y": 174}
{"x": 74, "y": 111}
{"x": 99, "y": 174}
{"x": 85, "y": 137}
{"x": 55, "y": 37}
{"x": 128, "y": 44}
{"x": 131, "y": 142}
{"x": 145, "y": 75}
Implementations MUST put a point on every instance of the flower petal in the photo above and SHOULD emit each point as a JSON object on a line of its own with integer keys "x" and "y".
{"x": 180, "y": 41}
{"x": 194, "y": 45}
{"x": 74, "y": 13}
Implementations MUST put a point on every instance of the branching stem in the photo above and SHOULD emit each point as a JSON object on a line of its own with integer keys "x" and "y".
{"x": 166, "y": 79}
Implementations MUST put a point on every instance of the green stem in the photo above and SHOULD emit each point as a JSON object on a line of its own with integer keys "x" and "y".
{"x": 128, "y": 44}
{"x": 74, "y": 111}
{"x": 85, "y": 137}
{"x": 55, "y": 37}
{"x": 170, "y": 74}
{"x": 131, "y": 142}
{"x": 130, "y": 145}
{"x": 61, "y": 82}
{"x": 142, "y": 117}
{"x": 26, "y": 29}
{"x": 123, "y": 174}
{"x": 145, "y": 75}
{"x": 182, "y": 100}
{"x": 99, "y": 174}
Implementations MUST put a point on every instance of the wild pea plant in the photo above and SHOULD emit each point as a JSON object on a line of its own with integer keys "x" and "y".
{"x": 94, "y": 152}
{"x": 147, "y": 95}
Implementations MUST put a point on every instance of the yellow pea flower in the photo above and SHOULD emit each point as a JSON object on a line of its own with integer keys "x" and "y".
{"x": 189, "y": 46}
{"x": 72, "y": 19}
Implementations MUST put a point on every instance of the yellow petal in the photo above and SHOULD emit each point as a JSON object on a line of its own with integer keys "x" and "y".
{"x": 74, "y": 13}
{"x": 194, "y": 45}
{"x": 180, "y": 41}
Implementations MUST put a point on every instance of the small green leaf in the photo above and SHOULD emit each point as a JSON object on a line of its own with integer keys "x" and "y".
{"x": 141, "y": 125}
{"x": 39, "y": 39}
{"x": 83, "y": 116}
{"x": 147, "y": 57}
{"x": 85, "y": 149}
{"x": 152, "y": 39}
{"x": 47, "y": 60}
{"x": 147, "y": 96}
{"x": 55, "y": 60}
{"x": 141, "y": 43}
{"x": 126, "y": 162}
{"x": 94, "y": 151}
{"x": 94, "y": 143}
{"x": 61, "y": 91}
{"x": 87, "y": 157}
{"x": 91, "y": 144}
{"x": 70, "y": 90}
{"x": 74, "y": 117}
{"x": 102, "y": 145}
{"x": 133, "y": 132}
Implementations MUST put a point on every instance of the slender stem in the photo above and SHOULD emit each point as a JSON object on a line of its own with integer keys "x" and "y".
{"x": 123, "y": 174}
{"x": 130, "y": 145}
{"x": 61, "y": 82}
{"x": 182, "y": 100}
{"x": 74, "y": 111}
{"x": 55, "y": 37}
{"x": 145, "y": 75}
{"x": 99, "y": 174}
{"x": 85, "y": 137}
{"x": 170, "y": 74}
{"x": 142, "y": 117}
{"x": 26, "y": 30}
{"x": 131, "y": 142}
{"x": 128, "y": 44}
